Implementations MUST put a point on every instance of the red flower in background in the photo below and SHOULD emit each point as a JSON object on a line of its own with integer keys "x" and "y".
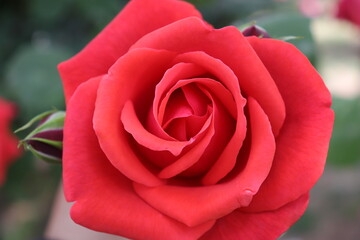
{"x": 177, "y": 130}
{"x": 8, "y": 143}
{"x": 349, "y": 10}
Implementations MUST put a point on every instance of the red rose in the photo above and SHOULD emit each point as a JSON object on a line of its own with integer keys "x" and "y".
{"x": 176, "y": 130}
{"x": 349, "y": 10}
{"x": 8, "y": 143}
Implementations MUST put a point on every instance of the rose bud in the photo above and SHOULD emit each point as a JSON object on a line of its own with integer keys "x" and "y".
{"x": 45, "y": 141}
{"x": 177, "y": 130}
{"x": 255, "y": 30}
{"x": 8, "y": 142}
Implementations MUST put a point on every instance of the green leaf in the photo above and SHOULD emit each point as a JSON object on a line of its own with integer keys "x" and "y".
{"x": 45, "y": 13}
{"x": 345, "y": 143}
{"x": 100, "y": 13}
{"x": 34, "y": 81}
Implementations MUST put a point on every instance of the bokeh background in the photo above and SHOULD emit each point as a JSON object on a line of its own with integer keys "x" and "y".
{"x": 35, "y": 35}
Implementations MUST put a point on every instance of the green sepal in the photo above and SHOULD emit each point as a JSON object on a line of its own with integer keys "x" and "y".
{"x": 34, "y": 119}
{"x": 289, "y": 38}
{"x": 43, "y": 156}
{"x": 55, "y": 121}
{"x": 57, "y": 144}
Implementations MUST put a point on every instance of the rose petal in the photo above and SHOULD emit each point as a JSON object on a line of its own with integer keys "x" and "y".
{"x": 199, "y": 159}
{"x": 227, "y": 160}
{"x": 200, "y": 141}
{"x": 192, "y": 156}
{"x": 259, "y": 126}
{"x": 196, "y": 205}
{"x": 177, "y": 129}
{"x": 195, "y": 123}
{"x": 196, "y": 98}
{"x": 218, "y": 91}
{"x": 258, "y": 226}
{"x": 171, "y": 77}
{"x": 228, "y": 45}
{"x": 133, "y": 126}
{"x": 137, "y": 19}
{"x": 302, "y": 146}
{"x": 224, "y": 125}
{"x": 120, "y": 85}
{"x": 105, "y": 200}
{"x": 177, "y": 107}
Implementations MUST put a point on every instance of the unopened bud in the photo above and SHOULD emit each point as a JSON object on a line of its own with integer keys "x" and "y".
{"x": 255, "y": 30}
{"x": 45, "y": 141}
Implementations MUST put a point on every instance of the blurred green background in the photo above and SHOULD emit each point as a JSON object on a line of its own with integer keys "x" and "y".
{"x": 35, "y": 35}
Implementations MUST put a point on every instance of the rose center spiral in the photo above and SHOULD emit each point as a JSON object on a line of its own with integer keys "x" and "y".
{"x": 186, "y": 111}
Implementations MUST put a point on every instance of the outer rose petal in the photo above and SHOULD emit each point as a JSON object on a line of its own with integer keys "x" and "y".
{"x": 105, "y": 200}
{"x": 121, "y": 85}
{"x": 137, "y": 19}
{"x": 301, "y": 147}
{"x": 8, "y": 142}
{"x": 258, "y": 226}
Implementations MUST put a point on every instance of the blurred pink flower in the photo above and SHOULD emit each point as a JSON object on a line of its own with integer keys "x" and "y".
{"x": 311, "y": 8}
